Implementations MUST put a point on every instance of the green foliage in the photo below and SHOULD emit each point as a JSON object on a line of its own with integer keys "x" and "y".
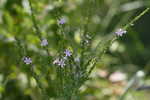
{"x": 87, "y": 33}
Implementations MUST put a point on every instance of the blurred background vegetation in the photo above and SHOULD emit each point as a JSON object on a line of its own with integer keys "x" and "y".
{"x": 127, "y": 56}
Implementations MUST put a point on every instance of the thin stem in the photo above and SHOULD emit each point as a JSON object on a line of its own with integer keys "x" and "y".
{"x": 131, "y": 82}
{"x": 38, "y": 32}
{"x": 115, "y": 37}
{"x": 35, "y": 25}
{"x": 36, "y": 77}
{"x": 136, "y": 18}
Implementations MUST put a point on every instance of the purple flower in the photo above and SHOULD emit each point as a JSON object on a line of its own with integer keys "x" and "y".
{"x": 62, "y": 21}
{"x": 67, "y": 53}
{"x": 61, "y": 63}
{"x": 120, "y": 32}
{"x": 27, "y": 60}
{"x": 44, "y": 42}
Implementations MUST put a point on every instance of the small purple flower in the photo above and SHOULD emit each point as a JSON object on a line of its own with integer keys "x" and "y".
{"x": 120, "y": 32}
{"x": 67, "y": 53}
{"x": 61, "y": 63}
{"x": 44, "y": 42}
{"x": 62, "y": 21}
{"x": 27, "y": 60}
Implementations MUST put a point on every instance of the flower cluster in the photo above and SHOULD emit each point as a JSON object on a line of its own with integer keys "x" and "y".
{"x": 120, "y": 32}
{"x": 61, "y": 61}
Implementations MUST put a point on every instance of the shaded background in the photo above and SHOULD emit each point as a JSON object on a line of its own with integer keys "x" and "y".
{"x": 129, "y": 54}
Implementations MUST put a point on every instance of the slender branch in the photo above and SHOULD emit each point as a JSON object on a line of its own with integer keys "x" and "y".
{"x": 115, "y": 37}
{"x": 131, "y": 82}
{"x": 38, "y": 32}
{"x": 35, "y": 25}
{"x": 136, "y": 18}
{"x": 36, "y": 77}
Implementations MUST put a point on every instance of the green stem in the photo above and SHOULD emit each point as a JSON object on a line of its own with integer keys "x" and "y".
{"x": 115, "y": 37}
{"x": 35, "y": 25}
{"x": 34, "y": 21}
{"x": 136, "y": 18}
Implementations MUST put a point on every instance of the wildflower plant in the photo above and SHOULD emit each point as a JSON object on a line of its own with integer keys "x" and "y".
{"x": 70, "y": 72}
{"x": 67, "y": 68}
